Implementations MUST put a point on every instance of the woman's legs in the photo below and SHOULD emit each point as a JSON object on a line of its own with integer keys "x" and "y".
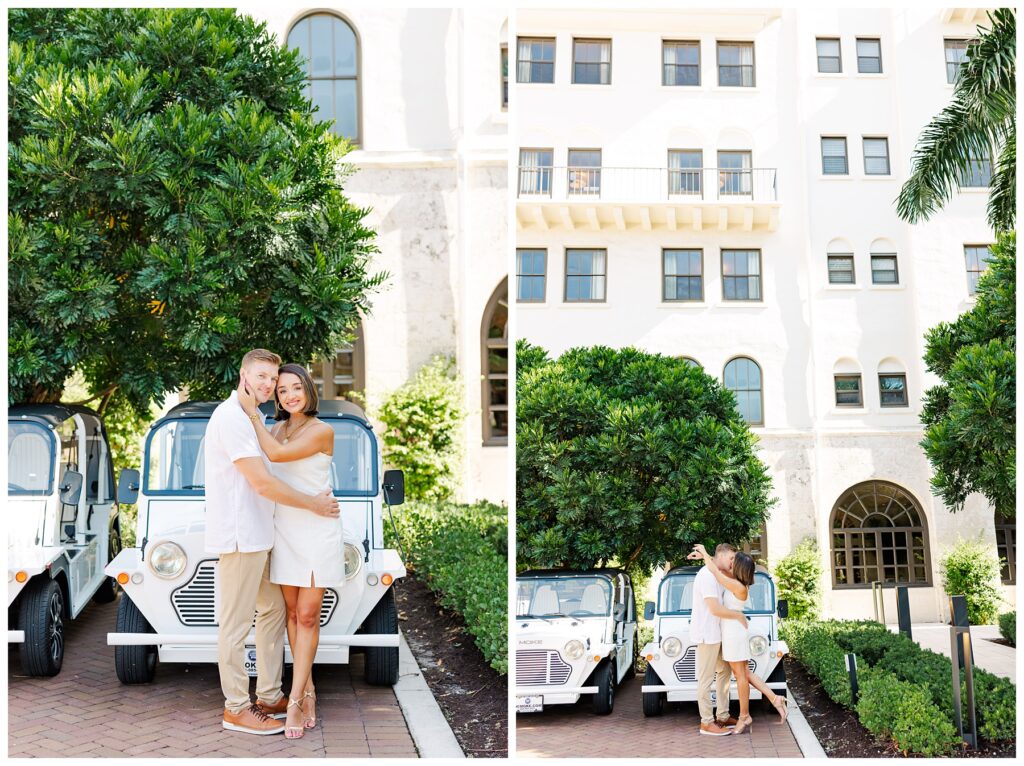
{"x": 739, "y": 671}
{"x": 306, "y": 636}
{"x": 769, "y": 695}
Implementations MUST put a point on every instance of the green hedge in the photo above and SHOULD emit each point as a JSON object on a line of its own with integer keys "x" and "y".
{"x": 903, "y": 712}
{"x": 1008, "y": 627}
{"x": 461, "y": 553}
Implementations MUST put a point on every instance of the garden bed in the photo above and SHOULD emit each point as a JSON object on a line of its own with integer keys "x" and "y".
{"x": 472, "y": 695}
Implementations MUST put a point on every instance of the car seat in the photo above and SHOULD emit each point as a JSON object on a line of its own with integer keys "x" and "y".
{"x": 545, "y": 601}
{"x": 594, "y": 600}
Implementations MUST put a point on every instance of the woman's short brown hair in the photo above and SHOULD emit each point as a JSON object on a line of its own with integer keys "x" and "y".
{"x": 743, "y": 568}
{"x": 308, "y": 388}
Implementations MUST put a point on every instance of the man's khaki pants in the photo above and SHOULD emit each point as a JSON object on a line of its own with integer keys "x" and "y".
{"x": 245, "y": 587}
{"x": 709, "y": 659}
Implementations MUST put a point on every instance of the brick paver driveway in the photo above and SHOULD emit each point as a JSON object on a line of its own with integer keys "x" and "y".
{"x": 572, "y": 730}
{"x": 86, "y": 711}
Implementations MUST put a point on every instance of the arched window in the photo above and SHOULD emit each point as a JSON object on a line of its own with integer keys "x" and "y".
{"x": 1006, "y": 545}
{"x": 691, "y": 362}
{"x": 494, "y": 364}
{"x": 757, "y": 547}
{"x": 878, "y": 535}
{"x": 330, "y": 48}
{"x": 742, "y": 376}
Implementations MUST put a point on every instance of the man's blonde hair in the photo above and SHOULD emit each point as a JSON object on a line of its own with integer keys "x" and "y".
{"x": 261, "y": 355}
{"x": 724, "y": 547}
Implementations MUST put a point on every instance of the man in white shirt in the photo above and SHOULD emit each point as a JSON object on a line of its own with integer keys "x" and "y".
{"x": 240, "y": 497}
{"x": 706, "y": 633}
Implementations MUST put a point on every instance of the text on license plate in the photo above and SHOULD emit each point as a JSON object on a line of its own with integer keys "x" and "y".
{"x": 250, "y": 662}
{"x": 529, "y": 704}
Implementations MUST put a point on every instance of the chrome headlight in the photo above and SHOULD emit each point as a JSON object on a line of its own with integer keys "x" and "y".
{"x": 574, "y": 649}
{"x": 353, "y": 561}
{"x": 167, "y": 560}
{"x": 758, "y": 645}
{"x": 672, "y": 646}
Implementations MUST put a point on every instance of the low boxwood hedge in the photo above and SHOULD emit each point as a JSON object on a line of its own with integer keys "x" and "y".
{"x": 896, "y": 664}
{"x": 1008, "y": 627}
{"x": 461, "y": 553}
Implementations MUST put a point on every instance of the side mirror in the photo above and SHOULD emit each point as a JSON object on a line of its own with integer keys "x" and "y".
{"x": 71, "y": 489}
{"x": 783, "y": 608}
{"x": 394, "y": 487}
{"x": 619, "y": 612}
{"x": 648, "y": 610}
{"x": 128, "y": 487}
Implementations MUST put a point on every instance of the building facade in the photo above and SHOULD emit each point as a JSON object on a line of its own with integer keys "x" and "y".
{"x": 420, "y": 95}
{"x": 720, "y": 186}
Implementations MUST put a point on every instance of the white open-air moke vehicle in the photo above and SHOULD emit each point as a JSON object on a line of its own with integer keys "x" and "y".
{"x": 672, "y": 659}
{"x": 575, "y": 635}
{"x": 62, "y": 526}
{"x": 168, "y": 610}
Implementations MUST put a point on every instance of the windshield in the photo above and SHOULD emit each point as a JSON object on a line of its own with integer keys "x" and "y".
{"x": 175, "y": 458}
{"x": 563, "y": 597}
{"x": 675, "y": 596}
{"x": 29, "y": 459}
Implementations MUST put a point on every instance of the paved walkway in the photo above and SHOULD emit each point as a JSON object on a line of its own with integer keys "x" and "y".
{"x": 86, "y": 711}
{"x": 574, "y": 731}
{"x": 995, "y": 658}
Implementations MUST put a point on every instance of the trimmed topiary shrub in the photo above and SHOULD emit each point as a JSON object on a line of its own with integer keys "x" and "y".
{"x": 903, "y": 712}
{"x": 971, "y": 569}
{"x": 798, "y": 579}
{"x": 1008, "y": 627}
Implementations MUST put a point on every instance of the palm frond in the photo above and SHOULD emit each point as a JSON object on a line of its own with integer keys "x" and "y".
{"x": 1002, "y": 199}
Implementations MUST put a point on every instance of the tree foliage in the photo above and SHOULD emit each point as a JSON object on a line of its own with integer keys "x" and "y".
{"x": 980, "y": 121}
{"x": 798, "y": 577}
{"x": 970, "y": 417}
{"x": 630, "y": 457}
{"x": 173, "y": 203}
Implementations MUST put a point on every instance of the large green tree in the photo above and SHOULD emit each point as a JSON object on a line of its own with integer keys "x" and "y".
{"x": 970, "y": 416}
{"x": 628, "y": 457}
{"x": 173, "y": 202}
{"x": 980, "y": 121}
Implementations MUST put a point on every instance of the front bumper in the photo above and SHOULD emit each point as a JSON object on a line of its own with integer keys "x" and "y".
{"x": 210, "y": 640}
{"x": 561, "y": 695}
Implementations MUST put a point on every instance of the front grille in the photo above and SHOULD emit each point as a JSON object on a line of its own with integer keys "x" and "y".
{"x": 686, "y": 666}
{"x": 541, "y": 667}
{"x": 193, "y": 601}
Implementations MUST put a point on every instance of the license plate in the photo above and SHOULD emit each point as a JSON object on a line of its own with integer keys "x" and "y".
{"x": 531, "y": 704}
{"x": 250, "y": 663}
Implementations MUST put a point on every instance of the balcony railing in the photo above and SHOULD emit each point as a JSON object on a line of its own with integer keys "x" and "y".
{"x": 646, "y": 185}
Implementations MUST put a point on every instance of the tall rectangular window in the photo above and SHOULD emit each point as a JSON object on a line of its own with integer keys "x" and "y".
{"x": 977, "y": 261}
{"x": 892, "y": 389}
{"x": 736, "y": 65}
{"x": 684, "y": 171}
{"x": 830, "y": 59}
{"x": 848, "y": 391}
{"x": 734, "y": 170}
{"x": 876, "y": 156}
{"x": 536, "y": 59}
{"x": 869, "y": 55}
{"x": 504, "y": 77}
{"x": 978, "y": 173}
{"x": 683, "y": 275}
{"x": 585, "y": 275}
{"x": 833, "y": 156}
{"x": 741, "y": 275}
{"x": 535, "y": 167}
{"x": 884, "y": 270}
{"x": 956, "y": 54}
{"x": 592, "y": 62}
{"x": 680, "y": 62}
{"x": 531, "y": 275}
{"x": 840, "y": 269}
{"x": 584, "y": 171}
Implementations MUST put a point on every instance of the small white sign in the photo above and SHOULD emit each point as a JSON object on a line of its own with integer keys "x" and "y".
{"x": 250, "y": 662}
{"x": 529, "y": 704}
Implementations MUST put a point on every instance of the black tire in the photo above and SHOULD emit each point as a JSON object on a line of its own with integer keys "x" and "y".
{"x": 41, "y": 616}
{"x": 382, "y": 661}
{"x": 654, "y": 702}
{"x": 636, "y": 656}
{"x": 109, "y": 588}
{"x": 604, "y": 677}
{"x": 134, "y": 664}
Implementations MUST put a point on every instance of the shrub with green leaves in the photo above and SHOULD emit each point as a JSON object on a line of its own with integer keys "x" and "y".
{"x": 461, "y": 553}
{"x": 1008, "y": 627}
{"x": 903, "y": 712}
{"x": 971, "y": 569}
{"x": 421, "y": 430}
{"x": 798, "y": 579}
{"x": 814, "y": 647}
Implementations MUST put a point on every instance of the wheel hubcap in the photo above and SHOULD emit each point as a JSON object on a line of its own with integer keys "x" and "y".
{"x": 56, "y": 627}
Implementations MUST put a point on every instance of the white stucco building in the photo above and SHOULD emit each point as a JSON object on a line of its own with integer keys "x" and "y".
{"x": 420, "y": 94}
{"x": 720, "y": 185}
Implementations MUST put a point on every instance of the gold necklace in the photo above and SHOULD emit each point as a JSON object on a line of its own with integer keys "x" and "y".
{"x": 297, "y": 430}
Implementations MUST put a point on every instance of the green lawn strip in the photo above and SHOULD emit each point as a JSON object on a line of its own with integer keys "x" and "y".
{"x": 460, "y": 552}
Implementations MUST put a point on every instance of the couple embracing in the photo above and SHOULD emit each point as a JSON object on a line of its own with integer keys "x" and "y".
{"x": 719, "y": 629}
{"x": 272, "y": 518}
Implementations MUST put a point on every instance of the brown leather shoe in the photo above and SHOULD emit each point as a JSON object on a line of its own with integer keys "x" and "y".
{"x": 252, "y": 720}
{"x": 714, "y": 730}
{"x": 277, "y": 709}
{"x": 728, "y": 722}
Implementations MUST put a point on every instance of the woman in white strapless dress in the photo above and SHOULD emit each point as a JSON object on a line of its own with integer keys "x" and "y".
{"x": 735, "y": 636}
{"x": 308, "y": 552}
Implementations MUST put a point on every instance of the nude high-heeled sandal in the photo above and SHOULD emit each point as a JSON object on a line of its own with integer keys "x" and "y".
{"x": 295, "y": 732}
{"x": 309, "y": 721}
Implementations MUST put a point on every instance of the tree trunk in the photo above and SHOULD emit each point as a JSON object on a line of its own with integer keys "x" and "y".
{"x": 632, "y": 557}
{"x": 41, "y": 395}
